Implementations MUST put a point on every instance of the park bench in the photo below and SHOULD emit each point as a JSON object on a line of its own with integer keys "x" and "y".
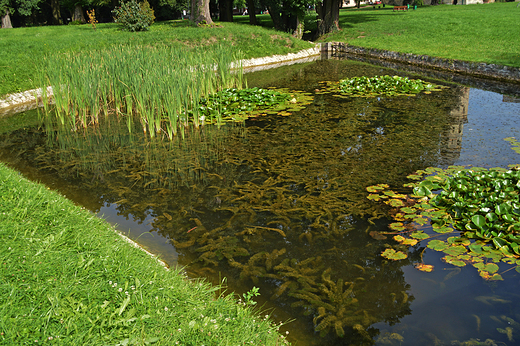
{"x": 400, "y": 8}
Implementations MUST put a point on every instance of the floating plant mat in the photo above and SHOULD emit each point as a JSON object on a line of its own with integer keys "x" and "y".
{"x": 477, "y": 209}
{"x": 379, "y": 86}
{"x": 279, "y": 202}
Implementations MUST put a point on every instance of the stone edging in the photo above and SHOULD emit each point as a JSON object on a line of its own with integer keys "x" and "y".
{"x": 30, "y": 99}
{"x": 483, "y": 70}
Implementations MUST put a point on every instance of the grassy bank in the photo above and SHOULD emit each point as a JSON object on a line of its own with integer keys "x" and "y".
{"x": 67, "y": 278}
{"x": 24, "y": 48}
{"x": 481, "y": 33}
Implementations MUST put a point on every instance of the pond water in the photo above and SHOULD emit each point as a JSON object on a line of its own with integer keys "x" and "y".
{"x": 280, "y": 203}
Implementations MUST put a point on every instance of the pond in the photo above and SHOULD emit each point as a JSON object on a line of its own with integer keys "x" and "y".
{"x": 280, "y": 203}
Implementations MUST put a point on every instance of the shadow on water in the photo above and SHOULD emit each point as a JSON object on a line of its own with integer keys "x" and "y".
{"x": 280, "y": 203}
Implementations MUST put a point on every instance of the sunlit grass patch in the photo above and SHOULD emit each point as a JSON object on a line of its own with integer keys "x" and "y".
{"x": 67, "y": 277}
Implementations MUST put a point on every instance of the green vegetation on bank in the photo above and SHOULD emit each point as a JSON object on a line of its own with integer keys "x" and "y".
{"x": 480, "y": 33}
{"x": 23, "y": 49}
{"x": 66, "y": 277}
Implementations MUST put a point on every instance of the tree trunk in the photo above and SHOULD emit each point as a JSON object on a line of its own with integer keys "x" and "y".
{"x": 298, "y": 32}
{"x": 276, "y": 17}
{"x": 225, "y": 8}
{"x": 56, "y": 17}
{"x": 251, "y": 10}
{"x": 328, "y": 16}
{"x": 200, "y": 12}
{"x": 6, "y": 20}
{"x": 78, "y": 14}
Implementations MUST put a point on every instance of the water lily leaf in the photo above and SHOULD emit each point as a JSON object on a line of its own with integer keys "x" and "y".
{"x": 395, "y": 203}
{"x": 419, "y": 235}
{"x": 377, "y": 188}
{"x": 455, "y": 250}
{"x": 492, "y": 217}
{"x": 502, "y": 209}
{"x": 405, "y": 241}
{"x": 491, "y": 268}
{"x": 442, "y": 229}
{"x": 476, "y": 248}
{"x": 496, "y": 277}
{"x": 375, "y": 197}
{"x": 393, "y": 255}
{"x": 424, "y": 267}
{"x": 479, "y": 220}
{"x": 422, "y": 191}
{"x": 408, "y": 210}
{"x": 437, "y": 245}
{"x": 454, "y": 261}
{"x": 397, "y": 226}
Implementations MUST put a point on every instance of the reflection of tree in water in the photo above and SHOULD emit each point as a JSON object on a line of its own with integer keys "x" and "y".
{"x": 280, "y": 203}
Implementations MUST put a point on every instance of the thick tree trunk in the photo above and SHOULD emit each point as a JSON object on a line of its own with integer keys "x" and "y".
{"x": 225, "y": 8}
{"x": 78, "y": 14}
{"x": 328, "y": 16}
{"x": 200, "y": 12}
{"x": 6, "y": 21}
{"x": 251, "y": 10}
{"x": 276, "y": 17}
{"x": 56, "y": 16}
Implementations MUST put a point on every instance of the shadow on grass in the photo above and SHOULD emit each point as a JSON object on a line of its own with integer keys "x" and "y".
{"x": 349, "y": 17}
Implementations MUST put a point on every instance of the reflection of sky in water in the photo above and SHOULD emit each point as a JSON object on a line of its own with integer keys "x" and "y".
{"x": 490, "y": 120}
{"x": 455, "y": 305}
{"x": 141, "y": 231}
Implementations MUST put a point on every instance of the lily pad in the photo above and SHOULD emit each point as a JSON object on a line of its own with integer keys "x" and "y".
{"x": 393, "y": 255}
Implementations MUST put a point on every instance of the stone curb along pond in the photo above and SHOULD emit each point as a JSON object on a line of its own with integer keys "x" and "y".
{"x": 477, "y": 69}
{"x": 31, "y": 99}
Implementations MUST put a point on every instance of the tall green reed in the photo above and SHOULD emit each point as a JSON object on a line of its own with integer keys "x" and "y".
{"x": 160, "y": 85}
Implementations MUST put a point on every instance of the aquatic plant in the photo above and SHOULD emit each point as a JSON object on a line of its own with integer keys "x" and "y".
{"x": 257, "y": 203}
{"x": 234, "y": 104}
{"x": 482, "y": 204}
{"x": 161, "y": 85}
{"x": 380, "y": 86}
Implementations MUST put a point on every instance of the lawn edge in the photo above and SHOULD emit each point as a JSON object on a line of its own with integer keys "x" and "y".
{"x": 502, "y": 73}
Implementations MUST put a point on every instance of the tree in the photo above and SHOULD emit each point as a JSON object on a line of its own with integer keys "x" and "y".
{"x": 200, "y": 12}
{"x": 6, "y": 20}
{"x": 225, "y": 8}
{"x": 328, "y": 16}
{"x": 251, "y": 10}
{"x": 288, "y": 15}
{"x": 19, "y": 7}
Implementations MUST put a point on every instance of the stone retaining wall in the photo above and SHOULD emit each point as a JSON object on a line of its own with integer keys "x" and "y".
{"x": 483, "y": 70}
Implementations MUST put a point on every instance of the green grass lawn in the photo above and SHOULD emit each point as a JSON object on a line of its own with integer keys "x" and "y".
{"x": 24, "y": 48}
{"x": 66, "y": 278}
{"x": 482, "y": 33}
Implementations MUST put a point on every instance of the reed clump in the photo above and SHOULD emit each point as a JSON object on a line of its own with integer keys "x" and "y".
{"x": 160, "y": 85}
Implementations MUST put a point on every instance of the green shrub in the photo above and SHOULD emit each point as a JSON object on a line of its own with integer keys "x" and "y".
{"x": 134, "y": 16}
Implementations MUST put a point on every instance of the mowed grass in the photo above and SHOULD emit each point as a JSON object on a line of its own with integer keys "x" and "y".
{"x": 67, "y": 278}
{"x": 487, "y": 33}
{"x": 23, "y": 49}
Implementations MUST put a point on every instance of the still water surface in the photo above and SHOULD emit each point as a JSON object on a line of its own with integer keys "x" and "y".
{"x": 280, "y": 203}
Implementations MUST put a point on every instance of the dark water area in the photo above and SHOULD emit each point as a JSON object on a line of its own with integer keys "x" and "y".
{"x": 280, "y": 203}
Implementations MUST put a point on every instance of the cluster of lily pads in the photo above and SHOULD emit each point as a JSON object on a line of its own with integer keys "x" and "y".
{"x": 239, "y": 104}
{"x": 382, "y": 86}
{"x": 480, "y": 207}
